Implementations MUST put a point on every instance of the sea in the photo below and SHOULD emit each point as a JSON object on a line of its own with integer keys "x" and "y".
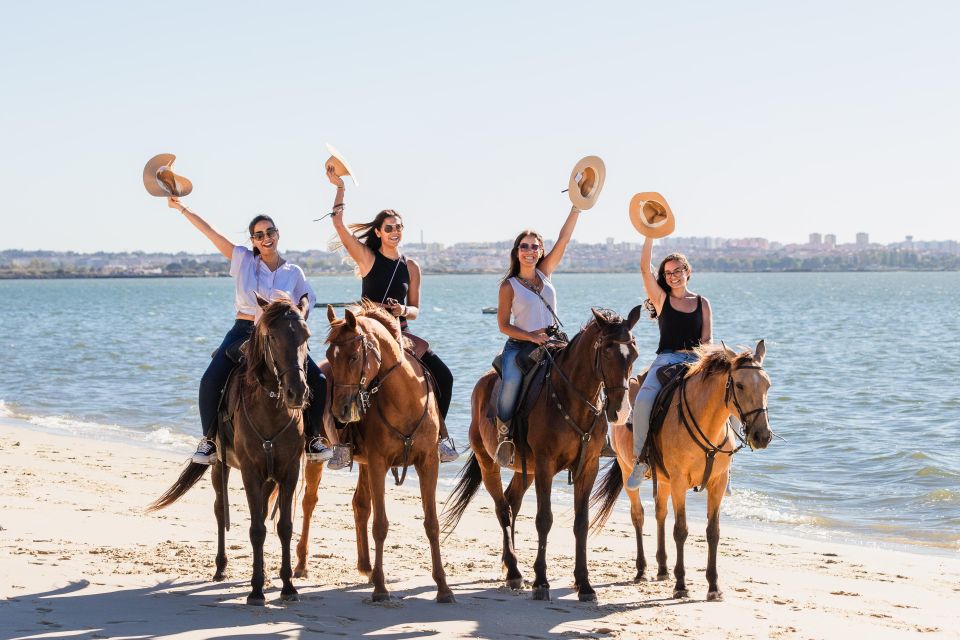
{"x": 865, "y": 370}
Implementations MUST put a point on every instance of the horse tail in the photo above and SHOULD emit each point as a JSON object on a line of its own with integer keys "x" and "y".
{"x": 188, "y": 477}
{"x": 463, "y": 492}
{"x": 605, "y": 496}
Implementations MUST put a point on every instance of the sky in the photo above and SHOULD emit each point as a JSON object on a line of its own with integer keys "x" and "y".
{"x": 753, "y": 119}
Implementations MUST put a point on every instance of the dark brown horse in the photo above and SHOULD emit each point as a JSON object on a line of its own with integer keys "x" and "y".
{"x": 566, "y": 430}
{"x": 694, "y": 448}
{"x": 385, "y": 391}
{"x": 265, "y": 402}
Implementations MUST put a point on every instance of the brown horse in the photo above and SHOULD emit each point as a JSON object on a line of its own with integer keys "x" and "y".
{"x": 693, "y": 448}
{"x": 383, "y": 389}
{"x": 265, "y": 402}
{"x": 567, "y": 426}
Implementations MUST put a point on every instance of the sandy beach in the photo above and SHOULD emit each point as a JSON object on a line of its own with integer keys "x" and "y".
{"x": 79, "y": 558}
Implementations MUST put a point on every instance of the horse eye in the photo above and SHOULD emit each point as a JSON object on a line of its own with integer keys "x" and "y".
{"x": 354, "y": 357}
{"x": 739, "y": 386}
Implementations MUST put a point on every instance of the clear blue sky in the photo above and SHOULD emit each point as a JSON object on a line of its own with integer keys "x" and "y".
{"x": 753, "y": 118}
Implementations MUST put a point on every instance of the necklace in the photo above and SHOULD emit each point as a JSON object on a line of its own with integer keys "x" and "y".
{"x": 536, "y": 286}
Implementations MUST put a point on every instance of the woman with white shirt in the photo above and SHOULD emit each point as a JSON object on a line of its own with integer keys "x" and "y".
{"x": 260, "y": 270}
{"x": 526, "y": 314}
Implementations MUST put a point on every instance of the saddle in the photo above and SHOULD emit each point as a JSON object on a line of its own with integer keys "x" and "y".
{"x": 532, "y": 361}
{"x": 670, "y": 378}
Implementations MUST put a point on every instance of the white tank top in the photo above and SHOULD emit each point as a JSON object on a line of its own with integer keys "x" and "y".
{"x": 528, "y": 311}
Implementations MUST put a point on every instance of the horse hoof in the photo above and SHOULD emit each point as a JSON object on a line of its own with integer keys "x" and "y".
{"x": 514, "y": 583}
{"x": 218, "y": 576}
{"x": 381, "y": 597}
{"x": 681, "y": 593}
{"x": 587, "y": 596}
{"x": 290, "y": 597}
{"x": 446, "y": 598}
{"x": 715, "y": 596}
{"x": 541, "y": 593}
{"x": 300, "y": 573}
{"x": 256, "y": 601}
{"x": 640, "y": 578}
{"x": 662, "y": 576}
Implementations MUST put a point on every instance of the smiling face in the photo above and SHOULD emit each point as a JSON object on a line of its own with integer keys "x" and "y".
{"x": 265, "y": 236}
{"x": 390, "y": 231}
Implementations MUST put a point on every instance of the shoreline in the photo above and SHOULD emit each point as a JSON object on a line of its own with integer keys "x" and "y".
{"x": 85, "y": 561}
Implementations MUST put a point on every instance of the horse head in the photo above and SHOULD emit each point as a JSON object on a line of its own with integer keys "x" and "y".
{"x": 616, "y": 350}
{"x": 747, "y": 387}
{"x": 277, "y": 351}
{"x": 355, "y": 359}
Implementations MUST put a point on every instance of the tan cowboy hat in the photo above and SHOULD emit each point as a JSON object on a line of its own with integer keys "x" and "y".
{"x": 651, "y": 215}
{"x": 586, "y": 182}
{"x": 339, "y": 164}
{"x": 161, "y": 181}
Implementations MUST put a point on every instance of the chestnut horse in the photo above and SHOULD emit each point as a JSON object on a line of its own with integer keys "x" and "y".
{"x": 265, "y": 401}
{"x": 567, "y": 427}
{"x": 386, "y": 391}
{"x": 693, "y": 448}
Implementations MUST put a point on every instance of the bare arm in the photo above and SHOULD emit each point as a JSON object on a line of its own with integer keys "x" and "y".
{"x": 504, "y": 303}
{"x": 706, "y": 336}
{"x": 361, "y": 253}
{"x": 653, "y": 290}
{"x": 552, "y": 259}
{"x": 412, "y": 309}
{"x": 223, "y": 245}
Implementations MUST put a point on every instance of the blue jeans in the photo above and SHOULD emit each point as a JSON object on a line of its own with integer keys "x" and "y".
{"x": 511, "y": 377}
{"x": 643, "y": 405}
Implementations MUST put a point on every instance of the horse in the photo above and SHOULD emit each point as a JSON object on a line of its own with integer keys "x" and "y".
{"x": 693, "y": 449}
{"x": 265, "y": 402}
{"x": 388, "y": 394}
{"x": 585, "y": 385}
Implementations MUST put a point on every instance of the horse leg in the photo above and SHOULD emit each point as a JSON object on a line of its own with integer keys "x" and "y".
{"x": 312, "y": 473}
{"x": 376, "y": 475}
{"x": 636, "y": 516}
{"x": 544, "y": 475}
{"x": 490, "y": 473}
{"x": 581, "y": 524}
{"x": 218, "y": 475}
{"x": 361, "y": 517}
{"x": 715, "y": 492}
{"x": 660, "y": 506}
{"x": 258, "y": 493}
{"x": 514, "y": 495}
{"x": 427, "y": 473}
{"x": 285, "y": 531}
{"x": 679, "y": 495}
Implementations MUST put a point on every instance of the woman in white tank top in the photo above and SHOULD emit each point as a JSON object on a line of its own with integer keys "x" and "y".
{"x": 526, "y": 309}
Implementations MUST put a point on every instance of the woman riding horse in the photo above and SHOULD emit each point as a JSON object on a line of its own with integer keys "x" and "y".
{"x": 260, "y": 271}
{"x": 391, "y": 280}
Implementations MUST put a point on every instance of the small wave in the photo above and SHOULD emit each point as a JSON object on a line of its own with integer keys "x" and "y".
{"x": 919, "y": 455}
{"x": 950, "y": 496}
{"x": 746, "y": 504}
{"x": 936, "y": 472}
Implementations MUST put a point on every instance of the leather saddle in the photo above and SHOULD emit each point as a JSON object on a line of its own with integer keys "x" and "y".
{"x": 533, "y": 363}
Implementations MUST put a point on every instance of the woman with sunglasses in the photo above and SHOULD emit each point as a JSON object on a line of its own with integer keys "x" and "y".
{"x": 685, "y": 321}
{"x": 527, "y": 315}
{"x": 260, "y": 270}
{"x": 391, "y": 280}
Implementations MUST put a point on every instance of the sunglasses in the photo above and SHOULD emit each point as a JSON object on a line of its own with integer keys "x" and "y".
{"x": 675, "y": 272}
{"x": 388, "y": 228}
{"x": 529, "y": 247}
{"x": 270, "y": 233}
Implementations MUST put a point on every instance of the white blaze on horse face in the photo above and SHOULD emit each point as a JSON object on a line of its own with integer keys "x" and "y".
{"x": 335, "y": 352}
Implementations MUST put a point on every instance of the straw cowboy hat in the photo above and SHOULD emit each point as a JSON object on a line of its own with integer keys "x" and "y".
{"x": 651, "y": 215}
{"x": 586, "y": 182}
{"x": 161, "y": 181}
{"x": 339, "y": 164}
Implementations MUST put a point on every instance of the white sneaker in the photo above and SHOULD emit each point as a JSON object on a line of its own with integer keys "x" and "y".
{"x": 317, "y": 450}
{"x": 206, "y": 452}
{"x": 636, "y": 476}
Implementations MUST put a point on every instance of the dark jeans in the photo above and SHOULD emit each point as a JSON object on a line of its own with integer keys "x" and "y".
{"x": 215, "y": 378}
{"x": 444, "y": 379}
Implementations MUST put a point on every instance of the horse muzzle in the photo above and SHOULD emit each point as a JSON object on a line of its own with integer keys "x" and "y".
{"x": 759, "y": 435}
{"x": 347, "y": 409}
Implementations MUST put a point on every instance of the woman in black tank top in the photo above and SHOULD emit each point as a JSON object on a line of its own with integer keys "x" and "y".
{"x": 685, "y": 321}
{"x": 391, "y": 280}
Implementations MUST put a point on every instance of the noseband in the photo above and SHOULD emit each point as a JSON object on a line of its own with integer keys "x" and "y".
{"x": 272, "y": 362}
{"x": 731, "y": 393}
{"x": 363, "y": 390}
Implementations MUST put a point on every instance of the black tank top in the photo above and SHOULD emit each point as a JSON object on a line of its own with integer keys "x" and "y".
{"x": 378, "y": 279}
{"x": 679, "y": 331}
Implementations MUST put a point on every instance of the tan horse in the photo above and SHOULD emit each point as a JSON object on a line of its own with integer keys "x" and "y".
{"x": 266, "y": 400}
{"x": 567, "y": 428}
{"x": 694, "y": 433}
{"x": 377, "y": 385}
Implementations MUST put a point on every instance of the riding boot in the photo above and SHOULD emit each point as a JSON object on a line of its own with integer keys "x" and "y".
{"x": 505, "y": 449}
{"x": 607, "y": 451}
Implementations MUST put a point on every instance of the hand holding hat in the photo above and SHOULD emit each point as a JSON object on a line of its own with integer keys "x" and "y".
{"x": 161, "y": 181}
{"x": 339, "y": 164}
{"x": 651, "y": 215}
{"x": 586, "y": 182}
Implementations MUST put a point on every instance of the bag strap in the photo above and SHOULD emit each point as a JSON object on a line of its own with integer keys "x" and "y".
{"x": 537, "y": 293}
{"x": 393, "y": 275}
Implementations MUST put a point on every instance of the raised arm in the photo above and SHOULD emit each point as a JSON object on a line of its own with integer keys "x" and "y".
{"x": 552, "y": 259}
{"x": 361, "y": 253}
{"x": 654, "y": 292}
{"x": 223, "y": 245}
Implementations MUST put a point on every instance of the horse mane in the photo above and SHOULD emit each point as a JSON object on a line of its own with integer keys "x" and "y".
{"x": 368, "y": 309}
{"x": 714, "y": 359}
{"x": 254, "y": 351}
{"x": 613, "y": 321}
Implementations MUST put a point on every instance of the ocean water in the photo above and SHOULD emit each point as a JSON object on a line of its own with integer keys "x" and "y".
{"x": 865, "y": 370}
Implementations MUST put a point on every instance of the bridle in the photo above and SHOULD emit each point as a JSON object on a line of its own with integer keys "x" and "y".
{"x": 363, "y": 391}
{"x": 271, "y": 361}
{"x": 731, "y": 393}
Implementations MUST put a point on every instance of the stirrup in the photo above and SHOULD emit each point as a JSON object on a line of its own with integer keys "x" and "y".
{"x": 317, "y": 449}
{"x": 505, "y": 452}
{"x": 342, "y": 457}
{"x": 447, "y": 450}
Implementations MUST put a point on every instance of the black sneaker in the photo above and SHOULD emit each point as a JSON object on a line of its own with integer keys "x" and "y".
{"x": 206, "y": 452}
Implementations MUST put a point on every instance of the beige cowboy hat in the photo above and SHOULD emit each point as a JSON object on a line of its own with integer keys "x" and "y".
{"x": 651, "y": 215}
{"x": 340, "y": 165}
{"x": 586, "y": 182}
{"x": 161, "y": 181}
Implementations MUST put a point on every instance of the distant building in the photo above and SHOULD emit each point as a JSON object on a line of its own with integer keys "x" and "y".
{"x": 815, "y": 240}
{"x": 830, "y": 240}
{"x": 863, "y": 239}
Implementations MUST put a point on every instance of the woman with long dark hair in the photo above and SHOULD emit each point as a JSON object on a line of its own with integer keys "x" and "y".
{"x": 260, "y": 270}
{"x": 527, "y": 315}
{"x": 391, "y": 280}
{"x": 685, "y": 321}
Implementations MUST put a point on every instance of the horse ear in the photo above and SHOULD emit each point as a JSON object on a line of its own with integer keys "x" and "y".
{"x": 263, "y": 302}
{"x": 304, "y": 305}
{"x": 730, "y": 352}
{"x": 634, "y": 315}
{"x": 596, "y": 314}
{"x": 350, "y": 318}
{"x": 759, "y": 352}
{"x": 331, "y": 314}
